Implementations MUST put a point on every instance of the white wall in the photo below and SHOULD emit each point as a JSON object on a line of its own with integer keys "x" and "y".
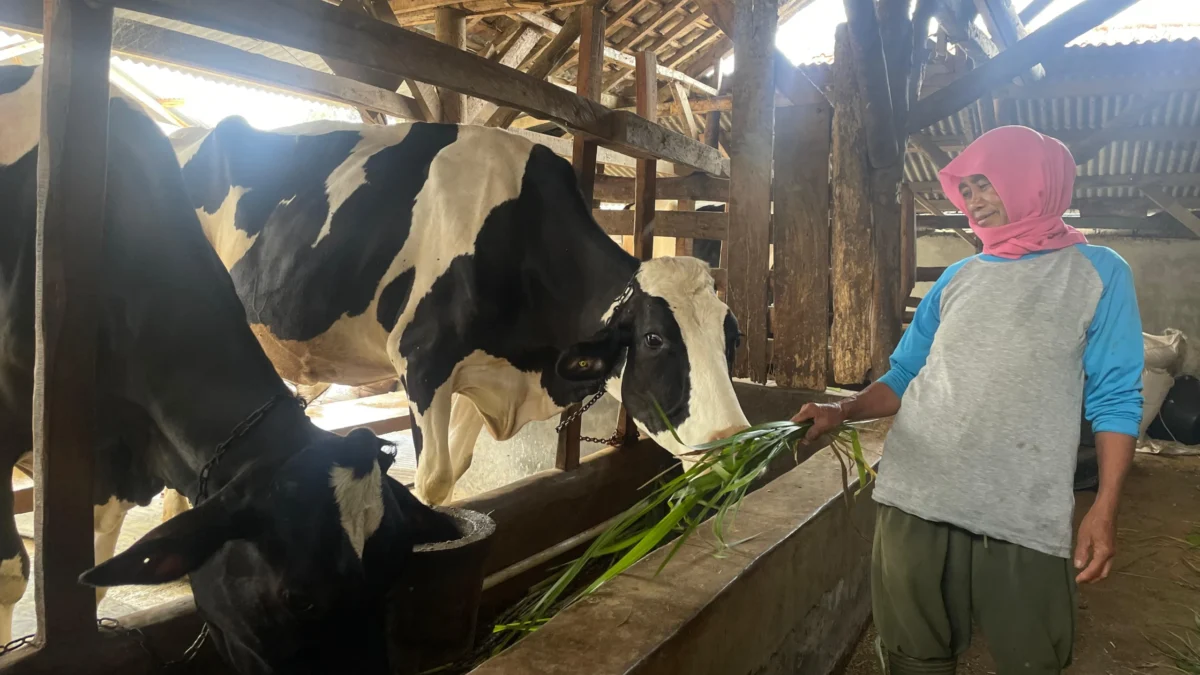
{"x": 1166, "y": 273}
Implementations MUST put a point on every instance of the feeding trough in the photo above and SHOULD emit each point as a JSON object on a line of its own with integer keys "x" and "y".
{"x": 434, "y": 610}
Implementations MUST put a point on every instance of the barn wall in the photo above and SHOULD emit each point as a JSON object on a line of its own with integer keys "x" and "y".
{"x": 1164, "y": 271}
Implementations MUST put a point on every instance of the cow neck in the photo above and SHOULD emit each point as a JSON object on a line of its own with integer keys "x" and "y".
{"x": 602, "y": 270}
{"x": 182, "y": 348}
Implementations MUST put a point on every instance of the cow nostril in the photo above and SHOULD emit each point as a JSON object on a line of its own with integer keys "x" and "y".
{"x": 727, "y": 432}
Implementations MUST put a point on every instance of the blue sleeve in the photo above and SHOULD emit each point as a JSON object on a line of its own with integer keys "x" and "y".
{"x": 1115, "y": 355}
{"x": 909, "y": 357}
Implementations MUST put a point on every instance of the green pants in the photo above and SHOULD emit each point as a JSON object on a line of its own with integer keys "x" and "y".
{"x": 930, "y": 580}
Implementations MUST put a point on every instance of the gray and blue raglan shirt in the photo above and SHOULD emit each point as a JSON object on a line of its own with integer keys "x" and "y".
{"x": 1000, "y": 358}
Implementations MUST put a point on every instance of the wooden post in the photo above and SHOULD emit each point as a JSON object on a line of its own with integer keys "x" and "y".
{"x": 72, "y": 169}
{"x": 643, "y": 195}
{"x": 908, "y": 243}
{"x": 583, "y": 158}
{"x": 801, "y": 192}
{"x": 852, "y": 263}
{"x": 750, "y": 160}
{"x": 871, "y": 73}
{"x": 451, "y": 27}
{"x": 645, "y": 182}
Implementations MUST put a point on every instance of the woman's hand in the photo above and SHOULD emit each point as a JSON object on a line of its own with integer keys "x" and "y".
{"x": 825, "y": 418}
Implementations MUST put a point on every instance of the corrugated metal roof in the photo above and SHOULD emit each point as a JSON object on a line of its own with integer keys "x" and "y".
{"x": 1147, "y": 150}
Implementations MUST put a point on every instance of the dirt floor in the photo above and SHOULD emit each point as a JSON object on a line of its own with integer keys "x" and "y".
{"x": 1152, "y": 593}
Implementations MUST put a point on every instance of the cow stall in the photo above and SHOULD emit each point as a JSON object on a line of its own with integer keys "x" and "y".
{"x": 818, "y": 254}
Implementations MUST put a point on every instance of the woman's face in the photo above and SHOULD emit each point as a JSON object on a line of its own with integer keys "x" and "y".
{"x": 983, "y": 202}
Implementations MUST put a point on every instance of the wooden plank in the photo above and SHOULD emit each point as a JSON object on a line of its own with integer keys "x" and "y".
{"x": 654, "y": 22}
{"x": 330, "y": 31}
{"x": 687, "y": 224}
{"x": 1168, "y": 203}
{"x": 695, "y": 186}
{"x": 72, "y": 169}
{"x": 801, "y": 241}
{"x": 750, "y": 156}
{"x": 931, "y": 150}
{"x": 851, "y": 259}
{"x": 1013, "y": 61}
{"x": 450, "y": 28}
{"x": 929, "y": 274}
{"x": 541, "y": 66}
{"x": 871, "y": 73}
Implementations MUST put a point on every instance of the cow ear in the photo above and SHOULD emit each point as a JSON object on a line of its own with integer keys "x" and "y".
{"x": 175, "y": 548}
{"x": 592, "y": 359}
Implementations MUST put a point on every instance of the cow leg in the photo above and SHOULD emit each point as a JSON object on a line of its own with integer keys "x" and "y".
{"x": 107, "y": 521}
{"x": 173, "y": 504}
{"x": 435, "y": 475}
{"x": 465, "y": 425}
{"x": 14, "y": 562}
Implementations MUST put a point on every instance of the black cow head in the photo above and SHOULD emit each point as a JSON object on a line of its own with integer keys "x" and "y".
{"x": 290, "y": 564}
{"x": 669, "y": 340}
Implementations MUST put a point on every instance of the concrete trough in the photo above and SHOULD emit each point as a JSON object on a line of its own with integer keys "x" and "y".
{"x": 793, "y": 598}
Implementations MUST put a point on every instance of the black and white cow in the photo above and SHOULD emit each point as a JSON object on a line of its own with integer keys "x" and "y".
{"x": 465, "y": 260}
{"x": 291, "y": 556}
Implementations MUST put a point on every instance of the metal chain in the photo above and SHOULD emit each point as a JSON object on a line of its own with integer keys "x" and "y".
{"x": 114, "y": 626}
{"x": 611, "y": 440}
{"x": 240, "y": 430}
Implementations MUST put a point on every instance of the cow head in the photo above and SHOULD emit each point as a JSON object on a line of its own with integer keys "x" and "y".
{"x": 290, "y": 564}
{"x": 669, "y": 340}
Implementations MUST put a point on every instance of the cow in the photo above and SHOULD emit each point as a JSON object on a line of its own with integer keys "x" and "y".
{"x": 298, "y": 533}
{"x": 465, "y": 261}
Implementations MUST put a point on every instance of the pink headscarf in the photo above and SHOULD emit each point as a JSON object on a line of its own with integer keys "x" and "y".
{"x": 1035, "y": 178}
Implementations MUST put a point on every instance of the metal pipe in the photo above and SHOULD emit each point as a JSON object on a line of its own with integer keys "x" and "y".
{"x": 548, "y": 553}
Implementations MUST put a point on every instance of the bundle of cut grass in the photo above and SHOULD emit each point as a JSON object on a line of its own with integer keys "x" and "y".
{"x": 712, "y": 487}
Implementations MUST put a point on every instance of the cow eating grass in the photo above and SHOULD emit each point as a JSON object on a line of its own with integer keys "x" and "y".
{"x": 302, "y": 533}
{"x": 465, "y": 261}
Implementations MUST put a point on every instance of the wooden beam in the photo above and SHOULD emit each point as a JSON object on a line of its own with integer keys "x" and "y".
{"x": 145, "y": 43}
{"x": 751, "y": 156}
{"x": 1086, "y": 182}
{"x": 696, "y": 186}
{"x": 1157, "y": 194}
{"x": 1013, "y": 61}
{"x": 685, "y": 245}
{"x": 686, "y": 224}
{"x": 518, "y": 50}
{"x": 451, "y": 29}
{"x": 801, "y": 240}
{"x": 639, "y": 31}
{"x": 1006, "y": 28}
{"x": 541, "y": 66}
{"x": 689, "y": 118}
{"x": 72, "y": 171}
{"x": 851, "y": 259}
{"x": 930, "y": 149}
{"x": 374, "y": 44}
{"x": 1033, "y": 10}
{"x": 1057, "y": 87}
{"x": 1130, "y": 116}
{"x": 480, "y": 9}
{"x": 627, "y": 60}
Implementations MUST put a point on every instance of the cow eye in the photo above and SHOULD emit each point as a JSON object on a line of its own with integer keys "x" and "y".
{"x": 654, "y": 341}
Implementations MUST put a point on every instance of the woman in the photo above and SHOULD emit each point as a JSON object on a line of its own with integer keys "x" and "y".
{"x": 974, "y": 492}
